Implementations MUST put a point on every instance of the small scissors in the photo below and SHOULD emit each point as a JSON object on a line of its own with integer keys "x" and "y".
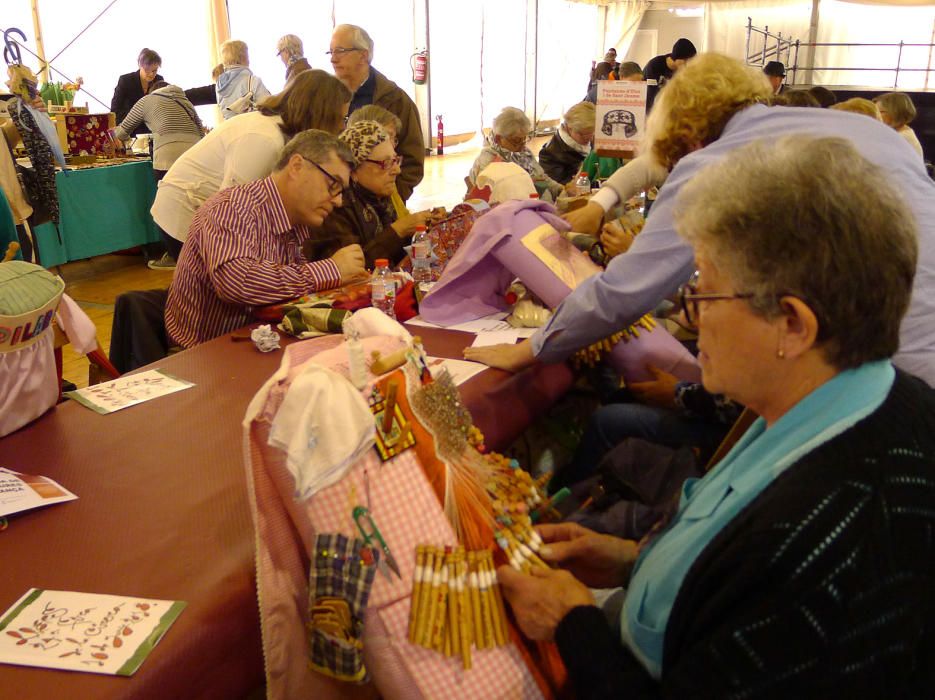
{"x": 373, "y": 538}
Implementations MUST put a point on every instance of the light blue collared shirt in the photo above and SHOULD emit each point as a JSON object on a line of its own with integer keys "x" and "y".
{"x": 659, "y": 260}
{"x": 708, "y": 504}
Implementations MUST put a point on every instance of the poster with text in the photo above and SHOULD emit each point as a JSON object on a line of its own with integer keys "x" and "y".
{"x": 621, "y": 115}
{"x": 84, "y": 631}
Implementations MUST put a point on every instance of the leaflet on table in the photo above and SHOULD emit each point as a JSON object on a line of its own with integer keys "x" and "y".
{"x": 486, "y": 338}
{"x": 19, "y": 492}
{"x": 493, "y": 322}
{"x": 84, "y": 631}
{"x": 460, "y": 370}
{"x": 128, "y": 391}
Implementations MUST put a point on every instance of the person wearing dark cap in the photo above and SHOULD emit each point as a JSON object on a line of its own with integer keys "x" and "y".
{"x": 775, "y": 72}
{"x": 663, "y": 67}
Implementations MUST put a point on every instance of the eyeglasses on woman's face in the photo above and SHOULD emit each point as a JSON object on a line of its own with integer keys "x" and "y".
{"x": 387, "y": 163}
{"x": 335, "y": 186}
{"x": 690, "y": 299}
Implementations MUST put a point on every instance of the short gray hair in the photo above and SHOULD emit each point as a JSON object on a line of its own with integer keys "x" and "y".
{"x": 797, "y": 218}
{"x": 234, "y": 53}
{"x": 290, "y": 43}
{"x": 314, "y": 145}
{"x": 359, "y": 38}
{"x": 580, "y": 117}
{"x": 378, "y": 114}
{"x": 511, "y": 121}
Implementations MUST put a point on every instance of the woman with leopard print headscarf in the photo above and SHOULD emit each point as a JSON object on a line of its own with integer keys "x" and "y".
{"x": 366, "y": 216}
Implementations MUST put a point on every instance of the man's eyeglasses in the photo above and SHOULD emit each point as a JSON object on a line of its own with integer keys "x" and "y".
{"x": 385, "y": 164}
{"x": 335, "y": 186}
{"x": 689, "y": 298}
{"x": 340, "y": 51}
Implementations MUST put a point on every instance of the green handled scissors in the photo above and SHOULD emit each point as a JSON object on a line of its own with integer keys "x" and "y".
{"x": 373, "y": 538}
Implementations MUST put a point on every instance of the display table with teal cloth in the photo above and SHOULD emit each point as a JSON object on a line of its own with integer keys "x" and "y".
{"x": 102, "y": 210}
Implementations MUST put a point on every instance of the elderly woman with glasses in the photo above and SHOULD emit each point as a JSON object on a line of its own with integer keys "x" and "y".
{"x": 802, "y": 563}
{"x": 507, "y": 143}
{"x": 367, "y": 216}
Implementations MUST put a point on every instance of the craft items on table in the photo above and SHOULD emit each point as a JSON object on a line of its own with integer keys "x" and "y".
{"x": 456, "y": 602}
{"x": 84, "y": 631}
{"x": 339, "y": 586}
{"x": 434, "y": 492}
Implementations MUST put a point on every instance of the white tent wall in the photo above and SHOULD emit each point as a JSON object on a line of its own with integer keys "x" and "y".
{"x": 111, "y": 45}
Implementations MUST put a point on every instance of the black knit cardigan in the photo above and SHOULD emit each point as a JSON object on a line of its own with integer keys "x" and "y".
{"x": 824, "y": 586}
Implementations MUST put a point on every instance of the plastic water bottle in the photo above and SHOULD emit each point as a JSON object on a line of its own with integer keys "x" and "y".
{"x": 383, "y": 288}
{"x": 582, "y": 184}
{"x": 421, "y": 256}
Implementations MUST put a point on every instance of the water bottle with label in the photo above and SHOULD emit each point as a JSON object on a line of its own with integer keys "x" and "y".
{"x": 383, "y": 288}
{"x": 582, "y": 184}
{"x": 421, "y": 256}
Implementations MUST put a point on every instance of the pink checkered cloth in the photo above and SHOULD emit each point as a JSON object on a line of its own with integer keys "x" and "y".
{"x": 405, "y": 509}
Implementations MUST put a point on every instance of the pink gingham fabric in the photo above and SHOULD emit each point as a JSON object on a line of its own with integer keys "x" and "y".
{"x": 407, "y": 513}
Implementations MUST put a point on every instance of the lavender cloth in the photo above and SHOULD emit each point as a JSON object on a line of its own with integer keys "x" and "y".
{"x": 471, "y": 286}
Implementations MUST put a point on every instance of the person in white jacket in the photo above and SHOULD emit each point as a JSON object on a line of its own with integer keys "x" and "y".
{"x": 238, "y": 89}
{"x": 245, "y": 149}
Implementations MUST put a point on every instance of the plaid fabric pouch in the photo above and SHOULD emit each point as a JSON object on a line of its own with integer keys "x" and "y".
{"x": 338, "y": 589}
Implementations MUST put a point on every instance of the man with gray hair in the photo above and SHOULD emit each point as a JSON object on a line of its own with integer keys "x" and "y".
{"x": 289, "y": 50}
{"x": 351, "y": 54}
{"x": 244, "y": 247}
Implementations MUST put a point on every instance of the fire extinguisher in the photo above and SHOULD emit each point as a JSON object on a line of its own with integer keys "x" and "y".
{"x": 441, "y": 136}
{"x": 419, "y": 62}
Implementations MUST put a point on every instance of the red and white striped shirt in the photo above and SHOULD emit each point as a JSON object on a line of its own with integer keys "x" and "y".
{"x": 241, "y": 252}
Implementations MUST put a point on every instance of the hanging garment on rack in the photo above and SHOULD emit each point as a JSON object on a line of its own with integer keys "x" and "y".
{"x": 40, "y": 185}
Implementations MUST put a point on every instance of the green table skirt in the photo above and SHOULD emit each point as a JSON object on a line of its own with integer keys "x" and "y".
{"x": 102, "y": 210}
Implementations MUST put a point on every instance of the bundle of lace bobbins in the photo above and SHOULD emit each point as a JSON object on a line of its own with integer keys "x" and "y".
{"x": 515, "y": 494}
{"x": 456, "y": 602}
{"x": 594, "y": 353}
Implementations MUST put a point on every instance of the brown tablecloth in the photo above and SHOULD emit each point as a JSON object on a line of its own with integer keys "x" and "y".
{"x": 162, "y": 513}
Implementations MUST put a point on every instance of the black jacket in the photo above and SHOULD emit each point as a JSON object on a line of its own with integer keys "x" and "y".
{"x": 128, "y": 91}
{"x": 821, "y": 587}
{"x": 560, "y": 161}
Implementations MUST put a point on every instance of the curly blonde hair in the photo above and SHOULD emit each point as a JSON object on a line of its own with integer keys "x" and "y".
{"x": 693, "y": 108}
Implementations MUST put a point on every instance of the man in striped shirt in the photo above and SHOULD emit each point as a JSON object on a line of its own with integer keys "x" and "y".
{"x": 244, "y": 247}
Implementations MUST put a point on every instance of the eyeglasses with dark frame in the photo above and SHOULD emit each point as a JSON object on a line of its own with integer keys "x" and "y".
{"x": 689, "y": 298}
{"x": 341, "y": 50}
{"x": 386, "y": 164}
{"x": 335, "y": 186}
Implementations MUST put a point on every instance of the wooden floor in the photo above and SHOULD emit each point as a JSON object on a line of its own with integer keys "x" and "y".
{"x": 97, "y": 282}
